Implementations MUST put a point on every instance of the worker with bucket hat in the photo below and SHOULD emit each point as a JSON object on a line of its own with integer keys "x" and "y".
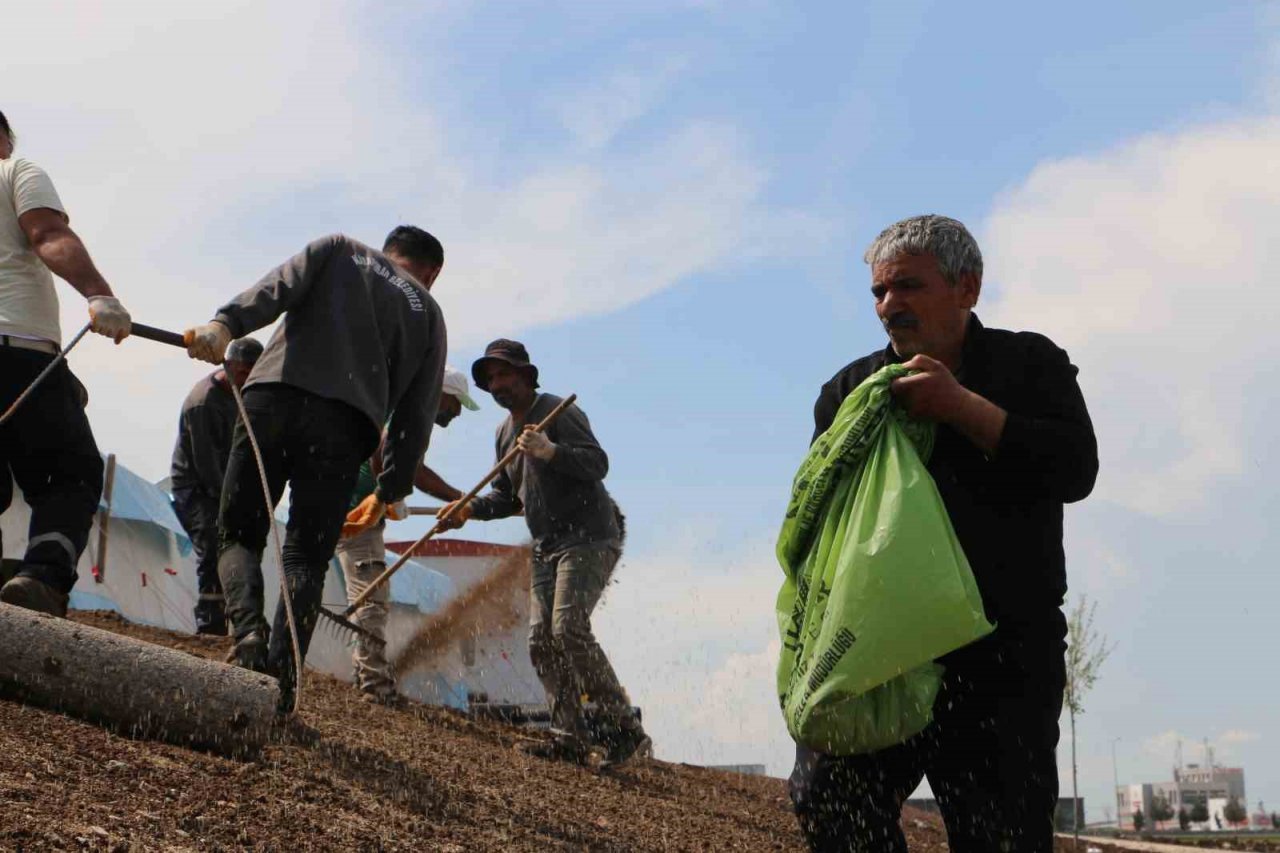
{"x": 577, "y": 530}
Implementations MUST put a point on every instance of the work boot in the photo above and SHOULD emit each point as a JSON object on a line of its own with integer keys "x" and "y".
{"x": 560, "y": 747}
{"x": 251, "y": 651}
{"x": 9, "y": 570}
{"x": 33, "y": 594}
{"x": 215, "y": 629}
{"x": 211, "y": 618}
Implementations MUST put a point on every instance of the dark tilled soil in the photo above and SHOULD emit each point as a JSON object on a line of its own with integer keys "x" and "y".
{"x": 370, "y": 778}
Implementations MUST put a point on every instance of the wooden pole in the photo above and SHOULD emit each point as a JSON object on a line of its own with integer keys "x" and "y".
{"x": 104, "y": 519}
{"x": 138, "y": 688}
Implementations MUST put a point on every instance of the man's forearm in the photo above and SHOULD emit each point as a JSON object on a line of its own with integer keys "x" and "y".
{"x": 433, "y": 484}
{"x": 66, "y": 256}
{"x": 979, "y": 420}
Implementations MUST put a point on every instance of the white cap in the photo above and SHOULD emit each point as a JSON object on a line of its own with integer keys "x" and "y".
{"x": 456, "y": 384}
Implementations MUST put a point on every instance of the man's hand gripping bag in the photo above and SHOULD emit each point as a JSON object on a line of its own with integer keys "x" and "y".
{"x": 877, "y": 586}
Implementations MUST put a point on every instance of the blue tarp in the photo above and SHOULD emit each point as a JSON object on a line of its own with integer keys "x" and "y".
{"x": 134, "y": 499}
{"x": 419, "y": 586}
{"x": 414, "y": 584}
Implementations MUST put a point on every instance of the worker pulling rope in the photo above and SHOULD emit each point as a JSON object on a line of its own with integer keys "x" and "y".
{"x": 174, "y": 339}
{"x": 311, "y": 423}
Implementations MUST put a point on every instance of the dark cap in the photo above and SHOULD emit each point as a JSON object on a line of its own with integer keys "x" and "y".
{"x": 244, "y": 351}
{"x": 510, "y": 352}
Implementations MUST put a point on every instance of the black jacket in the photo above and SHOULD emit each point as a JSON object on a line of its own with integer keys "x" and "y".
{"x": 358, "y": 330}
{"x": 1007, "y": 509}
{"x": 204, "y": 440}
{"x": 565, "y": 502}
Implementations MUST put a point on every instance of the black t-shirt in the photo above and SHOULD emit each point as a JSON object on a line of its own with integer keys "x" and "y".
{"x": 1007, "y": 508}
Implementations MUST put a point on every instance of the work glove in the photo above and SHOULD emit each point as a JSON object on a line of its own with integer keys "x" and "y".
{"x": 108, "y": 317}
{"x": 365, "y": 515}
{"x": 208, "y": 342}
{"x": 397, "y": 511}
{"x": 536, "y": 444}
{"x": 460, "y": 517}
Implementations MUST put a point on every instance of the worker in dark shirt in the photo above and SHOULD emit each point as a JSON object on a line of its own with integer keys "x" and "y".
{"x": 362, "y": 344}
{"x": 1014, "y": 443}
{"x": 577, "y": 530}
{"x": 199, "y": 465}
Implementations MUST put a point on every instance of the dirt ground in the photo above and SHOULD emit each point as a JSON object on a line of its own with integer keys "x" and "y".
{"x": 375, "y": 778}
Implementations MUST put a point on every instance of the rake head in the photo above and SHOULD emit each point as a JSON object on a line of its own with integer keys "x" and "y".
{"x": 342, "y": 627}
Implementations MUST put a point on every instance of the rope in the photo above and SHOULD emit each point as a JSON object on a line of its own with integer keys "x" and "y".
{"x": 275, "y": 539}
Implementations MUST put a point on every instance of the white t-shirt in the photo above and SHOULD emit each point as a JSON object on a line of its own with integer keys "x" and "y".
{"x": 28, "y": 301}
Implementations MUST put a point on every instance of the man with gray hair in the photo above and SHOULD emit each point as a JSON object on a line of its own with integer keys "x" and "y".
{"x": 1014, "y": 443}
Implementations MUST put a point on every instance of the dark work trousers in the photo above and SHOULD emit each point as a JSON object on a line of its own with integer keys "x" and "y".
{"x": 989, "y": 756}
{"x": 315, "y": 445}
{"x": 566, "y": 587}
{"x": 198, "y": 513}
{"x": 48, "y": 448}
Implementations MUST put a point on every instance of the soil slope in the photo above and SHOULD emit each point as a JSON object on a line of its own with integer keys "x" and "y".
{"x": 366, "y": 778}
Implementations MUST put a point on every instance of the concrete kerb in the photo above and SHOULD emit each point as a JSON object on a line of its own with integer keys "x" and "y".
{"x": 1143, "y": 846}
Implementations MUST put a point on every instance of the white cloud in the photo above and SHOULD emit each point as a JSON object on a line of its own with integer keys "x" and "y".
{"x": 1097, "y": 565}
{"x": 1224, "y": 746}
{"x": 1236, "y": 737}
{"x": 197, "y": 145}
{"x": 1163, "y": 745}
{"x": 1154, "y": 264}
{"x": 596, "y": 114}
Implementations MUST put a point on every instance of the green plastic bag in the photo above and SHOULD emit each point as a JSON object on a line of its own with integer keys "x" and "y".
{"x": 877, "y": 586}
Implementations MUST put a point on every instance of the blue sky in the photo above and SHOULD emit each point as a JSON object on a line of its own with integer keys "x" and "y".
{"x": 668, "y": 204}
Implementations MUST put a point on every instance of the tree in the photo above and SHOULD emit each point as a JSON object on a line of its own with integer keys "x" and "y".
{"x": 1199, "y": 812}
{"x": 1138, "y": 820}
{"x": 1086, "y": 652}
{"x": 1160, "y": 810}
{"x": 1275, "y": 820}
{"x": 1233, "y": 812}
{"x": 1184, "y": 818}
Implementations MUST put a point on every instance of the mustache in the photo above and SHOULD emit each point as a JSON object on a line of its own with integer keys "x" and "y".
{"x": 902, "y": 320}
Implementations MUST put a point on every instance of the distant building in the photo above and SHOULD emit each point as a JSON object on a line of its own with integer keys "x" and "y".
{"x": 1132, "y": 798}
{"x": 1192, "y": 785}
{"x": 1065, "y": 819}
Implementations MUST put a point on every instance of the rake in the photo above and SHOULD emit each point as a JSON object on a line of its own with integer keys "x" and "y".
{"x": 341, "y": 624}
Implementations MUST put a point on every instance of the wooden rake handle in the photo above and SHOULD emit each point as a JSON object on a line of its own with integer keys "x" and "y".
{"x": 453, "y": 508}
